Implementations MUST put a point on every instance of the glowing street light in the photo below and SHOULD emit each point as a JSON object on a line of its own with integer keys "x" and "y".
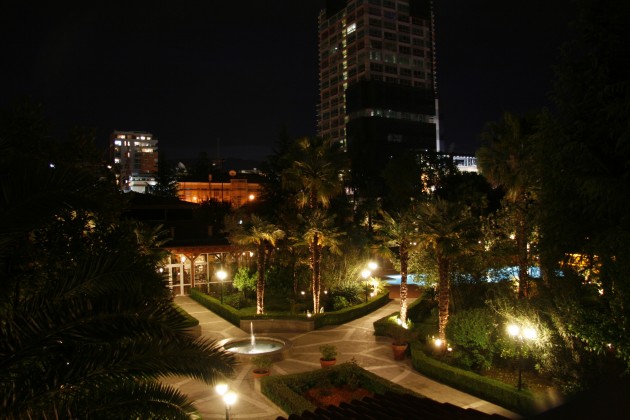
{"x": 221, "y": 275}
{"x": 519, "y": 334}
{"x": 366, "y": 276}
{"x": 229, "y": 397}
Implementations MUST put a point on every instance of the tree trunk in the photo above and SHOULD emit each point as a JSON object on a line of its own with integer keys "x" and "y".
{"x": 315, "y": 259}
{"x": 443, "y": 294}
{"x": 523, "y": 260}
{"x": 260, "y": 284}
{"x": 404, "y": 258}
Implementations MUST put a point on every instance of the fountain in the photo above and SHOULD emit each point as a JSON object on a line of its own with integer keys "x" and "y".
{"x": 246, "y": 348}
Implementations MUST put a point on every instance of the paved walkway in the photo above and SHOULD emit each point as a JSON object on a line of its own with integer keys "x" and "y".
{"x": 355, "y": 339}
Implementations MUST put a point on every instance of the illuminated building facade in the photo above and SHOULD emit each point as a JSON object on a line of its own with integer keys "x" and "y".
{"x": 237, "y": 190}
{"x": 377, "y": 81}
{"x": 135, "y": 158}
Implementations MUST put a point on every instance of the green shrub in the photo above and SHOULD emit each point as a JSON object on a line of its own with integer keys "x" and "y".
{"x": 472, "y": 334}
{"x": 507, "y": 396}
{"x": 339, "y": 302}
{"x": 243, "y": 281}
{"x": 286, "y": 390}
{"x": 328, "y": 351}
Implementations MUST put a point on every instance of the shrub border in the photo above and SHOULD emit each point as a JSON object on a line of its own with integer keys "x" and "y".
{"x": 342, "y": 316}
{"x": 284, "y": 390}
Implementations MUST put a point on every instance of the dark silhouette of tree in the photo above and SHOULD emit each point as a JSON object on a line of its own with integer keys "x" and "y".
{"x": 507, "y": 160}
{"x": 88, "y": 325}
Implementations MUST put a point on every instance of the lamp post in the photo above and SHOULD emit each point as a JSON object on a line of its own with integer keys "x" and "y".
{"x": 221, "y": 275}
{"x": 519, "y": 334}
{"x": 366, "y": 275}
{"x": 229, "y": 397}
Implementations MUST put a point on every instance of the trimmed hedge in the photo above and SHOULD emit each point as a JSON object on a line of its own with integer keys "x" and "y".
{"x": 342, "y": 316}
{"x": 351, "y": 313}
{"x": 417, "y": 311}
{"x": 224, "y": 311}
{"x": 286, "y": 390}
{"x": 522, "y": 402}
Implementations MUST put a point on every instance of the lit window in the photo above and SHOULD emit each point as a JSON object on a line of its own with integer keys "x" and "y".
{"x": 351, "y": 28}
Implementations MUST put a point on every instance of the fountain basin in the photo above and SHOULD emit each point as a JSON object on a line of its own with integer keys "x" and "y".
{"x": 244, "y": 349}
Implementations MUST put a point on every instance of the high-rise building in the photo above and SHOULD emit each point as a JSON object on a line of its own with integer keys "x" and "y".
{"x": 135, "y": 158}
{"x": 377, "y": 82}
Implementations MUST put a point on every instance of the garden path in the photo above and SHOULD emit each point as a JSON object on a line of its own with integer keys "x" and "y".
{"x": 354, "y": 340}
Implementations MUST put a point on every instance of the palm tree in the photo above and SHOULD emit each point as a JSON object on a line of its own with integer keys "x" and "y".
{"x": 507, "y": 160}
{"x": 87, "y": 334}
{"x": 319, "y": 234}
{"x": 399, "y": 231}
{"x": 315, "y": 175}
{"x": 444, "y": 229}
{"x": 263, "y": 235}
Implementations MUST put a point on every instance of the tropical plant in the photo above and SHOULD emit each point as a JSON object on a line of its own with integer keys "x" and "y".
{"x": 507, "y": 159}
{"x": 263, "y": 235}
{"x": 398, "y": 231}
{"x": 472, "y": 333}
{"x": 445, "y": 230}
{"x": 262, "y": 362}
{"x": 316, "y": 177}
{"x": 87, "y": 333}
{"x": 328, "y": 351}
{"x": 319, "y": 234}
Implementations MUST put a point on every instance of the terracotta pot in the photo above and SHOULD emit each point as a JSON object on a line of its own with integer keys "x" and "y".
{"x": 259, "y": 373}
{"x": 399, "y": 351}
{"x": 326, "y": 363}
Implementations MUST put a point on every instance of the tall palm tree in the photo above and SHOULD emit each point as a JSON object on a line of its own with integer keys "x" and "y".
{"x": 444, "y": 229}
{"x": 263, "y": 235}
{"x": 315, "y": 173}
{"x": 398, "y": 231}
{"x": 316, "y": 176}
{"x": 507, "y": 160}
{"x": 319, "y": 234}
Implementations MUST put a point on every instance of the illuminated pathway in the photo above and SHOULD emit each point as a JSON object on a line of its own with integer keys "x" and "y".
{"x": 354, "y": 340}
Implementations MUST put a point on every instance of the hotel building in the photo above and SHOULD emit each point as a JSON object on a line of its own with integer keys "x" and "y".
{"x": 377, "y": 81}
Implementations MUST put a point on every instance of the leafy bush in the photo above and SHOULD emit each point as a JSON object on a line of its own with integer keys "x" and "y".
{"x": 244, "y": 281}
{"x": 472, "y": 334}
{"x": 285, "y": 390}
{"x": 237, "y": 301}
{"x": 339, "y": 302}
{"x": 489, "y": 389}
{"x": 328, "y": 351}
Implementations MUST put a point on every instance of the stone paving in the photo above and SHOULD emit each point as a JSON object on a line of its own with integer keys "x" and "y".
{"x": 354, "y": 340}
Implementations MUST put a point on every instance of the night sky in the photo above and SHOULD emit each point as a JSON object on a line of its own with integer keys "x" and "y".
{"x": 224, "y": 77}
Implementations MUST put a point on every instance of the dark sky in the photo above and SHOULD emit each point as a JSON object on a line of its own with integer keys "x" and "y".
{"x": 223, "y": 77}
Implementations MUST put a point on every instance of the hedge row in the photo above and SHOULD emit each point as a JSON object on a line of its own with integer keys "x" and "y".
{"x": 418, "y": 310}
{"x": 226, "y": 312}
{"x": 286, "y": 390}
{"x": 342, "y": 316}
{"x": 522, "y": 402}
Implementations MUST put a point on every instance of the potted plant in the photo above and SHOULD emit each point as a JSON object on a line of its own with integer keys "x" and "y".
{"x": 401, "y": 335}
{"x": 329, "y": 355}
{"x": 262, "y": 365}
